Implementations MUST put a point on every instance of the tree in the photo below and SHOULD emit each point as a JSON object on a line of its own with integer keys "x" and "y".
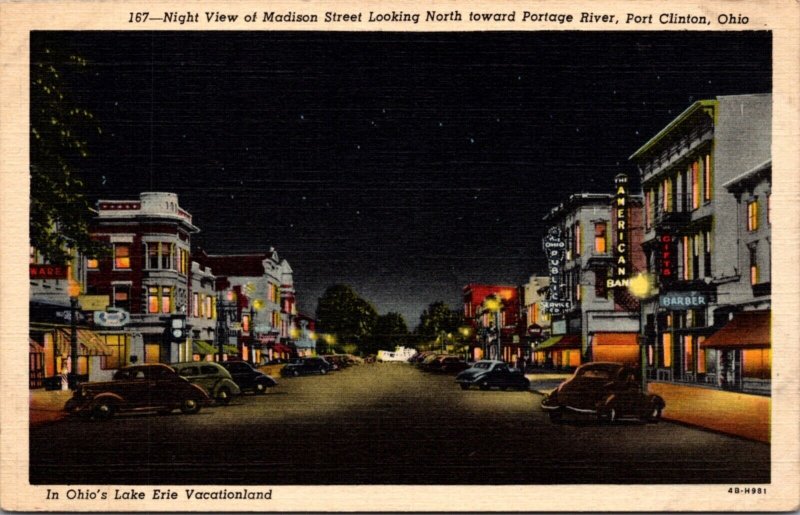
{"x": 59, "y": 133}
{"x": 390, "y": 331}
{"x": 438, "y": 318}
{"x": 346, "y": 316}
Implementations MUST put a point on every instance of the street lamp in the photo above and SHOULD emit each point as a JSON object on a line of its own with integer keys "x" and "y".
{"x": 495, "y": 305}
{"x": 74, "y": 290}
{"x": 641, "y": 287}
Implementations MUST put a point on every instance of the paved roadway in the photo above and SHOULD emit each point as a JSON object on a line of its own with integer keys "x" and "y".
{"x": 384, "y": 424}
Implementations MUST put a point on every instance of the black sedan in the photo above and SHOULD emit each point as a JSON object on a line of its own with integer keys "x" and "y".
{"x": 608, "y": 391}
{"x": 304, "y": 366}
{"x": 486, "y": 374}
{"x": 248, "y": 378}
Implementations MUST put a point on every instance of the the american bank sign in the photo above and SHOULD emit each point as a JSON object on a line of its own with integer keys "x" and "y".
{"x": 620, "y": 270}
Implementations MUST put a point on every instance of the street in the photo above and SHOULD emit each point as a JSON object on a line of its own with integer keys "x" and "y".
{"x": 384, "y": 424}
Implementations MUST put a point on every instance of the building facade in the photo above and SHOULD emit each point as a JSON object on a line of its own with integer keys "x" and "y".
{"x": 146, "y": 279}
{"x": 591, "y": 320}
{"x": 703, "y": 179}
{"x": 487, "y": 307}
{"x": 261, "y": 290}
{"x": 536, "y": 319}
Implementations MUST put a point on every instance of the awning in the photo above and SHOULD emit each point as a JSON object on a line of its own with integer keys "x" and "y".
{"x": 564, "y": 341}
{"x": 203, "y": 347}
{"x": 616, "y": 339}
{"x": 89, "y": 343}
{"x": 747, "y": 329}
{"x": 279, "y": 347}
{"x": 34, "y": 346}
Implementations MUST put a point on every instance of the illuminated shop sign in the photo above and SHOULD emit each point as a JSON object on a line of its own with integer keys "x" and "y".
{"x": 554, "y": 250}
{"x": 619, "y": 270}
{"x": 666, "y": 257}
{"x": 682, "y": 300}
{"x": 47, "y": 271}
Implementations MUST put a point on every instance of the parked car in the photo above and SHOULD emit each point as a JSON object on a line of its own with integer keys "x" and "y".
{"x": 425, "y": 362}
{"x": 213, "y": 377}
{"x": 137, "y": 388}
{"x": 248, "y": 378}
{"x": 304, "y": 366}
{"x": 486, "y": 374}
{"x": 336, "y": 361}
{"x": 448, "y": 365}
{"x": 419, "y": 356}
{"x": 608, "y": 391}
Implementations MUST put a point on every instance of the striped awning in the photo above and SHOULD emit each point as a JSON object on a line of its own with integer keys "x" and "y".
{"x": 564, "y": 341}
{"x": 616, "y": 339}
{"x": 89, "y": 343}
{"x": 203, "y": 347}
{"x": 35, "y": 347}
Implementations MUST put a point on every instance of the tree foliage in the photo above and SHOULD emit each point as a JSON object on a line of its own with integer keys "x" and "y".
{"x": 60, "y": 132}
{"x": 342, "y": 313}
{"x": 436, "y": 319}
{"x": 390, "y": 331}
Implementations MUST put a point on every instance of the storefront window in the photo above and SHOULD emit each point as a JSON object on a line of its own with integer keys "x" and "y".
{"x": 152, "y": 352}
{"x": 701, "y": 356}
{"x": 118, "y": 344}
{"x": 666, "y": 343}
{"x": 757, "y": 363}
{"x": 688, "y": 354}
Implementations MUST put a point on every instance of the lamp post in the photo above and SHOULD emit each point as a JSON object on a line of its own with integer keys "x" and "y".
{"x": 640, "y": 287}
{"x": 494, "y": 305}
{"x": 74, "y": 291}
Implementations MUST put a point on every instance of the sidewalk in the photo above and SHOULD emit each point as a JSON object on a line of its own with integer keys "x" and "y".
{"x": 47, "y": 406}
{"x": 732, "y": 413}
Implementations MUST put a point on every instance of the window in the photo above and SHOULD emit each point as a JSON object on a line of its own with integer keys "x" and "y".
{"x": 152, "y": 255}
{"x": 183, "y": 261}
{"x": 152, "y": 299}
{"x": 695, "y": 257}
{"x": 166, "y": 255}
{"x": 707, "y": 178}
{"x": 701, "y": 356}
{"x": 166, "y": 299}
{"x": 769, "y": 208}
{"x": 152, "y": 352}
{"x": 685, "y": 258}
{"x": 210, "y": 310}
{"x": 122, "y": 297}
{"x": 600, "y": 289}
{"x": 246, "y": 323}
{"x": 600, "y": 246}
{"x": 122, "y": 256}
{"x": 578, "y": 239}
{"x": 666, "y": 342}
{"x": 752, "y": 215}
{"x": 648, "y": 210}
{"x": 92, "y": 264}
{"x": 688, "y": 354}
{"x": 118, "y": 344}
{"x": 695, "y": 185}
{"x": 195, "y": 305}
{"x": 753, "y": 265}
{"x": 707, "y": 254}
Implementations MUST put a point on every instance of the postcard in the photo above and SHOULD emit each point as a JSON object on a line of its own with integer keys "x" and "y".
{"x": 399, "y": 256}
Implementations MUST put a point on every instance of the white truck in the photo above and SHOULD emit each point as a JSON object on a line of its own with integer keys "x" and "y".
{"x": 398, "y": 354}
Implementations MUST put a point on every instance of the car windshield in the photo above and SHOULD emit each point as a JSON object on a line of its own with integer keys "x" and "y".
{"x": 596, "y": 373}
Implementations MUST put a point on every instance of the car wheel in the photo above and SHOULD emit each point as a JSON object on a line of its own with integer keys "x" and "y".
{"x": 224, "y": 396}
{"x": 607, "y": 414}
{"x": 484, "y": 385}
{"x": 556, "y": 416}
{"x": 323, "y": 371}
{"x": 103, "y": 410}
{"x": 464, "y": 386}
{"x": 260, "y": 388}
{"x": 190, "y": 406}
{"x": 654, "y": 415}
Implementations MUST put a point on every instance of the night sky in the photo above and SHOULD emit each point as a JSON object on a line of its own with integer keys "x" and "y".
{"x": 403, "y": 164}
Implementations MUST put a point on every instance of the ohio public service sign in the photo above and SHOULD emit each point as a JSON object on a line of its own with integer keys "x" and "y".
{"x": 554, "y": 249}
